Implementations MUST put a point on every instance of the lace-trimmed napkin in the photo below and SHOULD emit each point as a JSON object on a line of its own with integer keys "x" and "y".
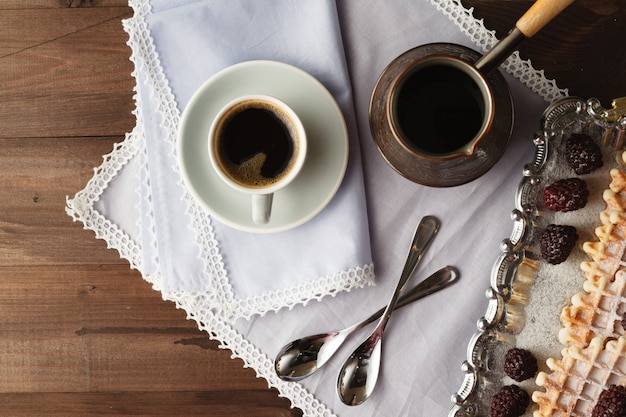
{"x": 245, "y": 273}
{"x": 426, "y": 342}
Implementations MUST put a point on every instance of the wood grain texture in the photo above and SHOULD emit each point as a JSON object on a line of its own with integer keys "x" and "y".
{"x": 582, "y": 48}
{"x": 81, "y": 334}
{"x": 36, "y": 175}
{"x": 539, "y": 15}
{"x": 69, "y": 68}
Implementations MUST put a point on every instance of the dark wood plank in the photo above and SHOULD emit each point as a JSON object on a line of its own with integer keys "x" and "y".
{"x": 101, "y": 328}
{"x": 36, "y": 175}
{"x": 583, "y": 48}
{"x": 60, "y": 4}
{"x": 261, "y": 403}
{"x": 79, "y": 340}
{"x": 82, "y": 334}
{"x": 65, "y": 72}
{"x": 24, "y": 28}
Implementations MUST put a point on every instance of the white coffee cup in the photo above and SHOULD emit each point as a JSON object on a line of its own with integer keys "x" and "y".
{"x": 257, "y": 145}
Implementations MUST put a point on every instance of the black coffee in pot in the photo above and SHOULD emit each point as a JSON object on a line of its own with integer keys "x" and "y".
{"x": 439, "y": 109}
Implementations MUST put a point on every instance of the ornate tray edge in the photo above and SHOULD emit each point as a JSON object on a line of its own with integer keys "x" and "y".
{"x": 513, "y": 249}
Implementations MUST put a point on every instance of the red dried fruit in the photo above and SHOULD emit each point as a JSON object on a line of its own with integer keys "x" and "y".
{"x": 582, "y": 153}
{"x": 566, "y": 195}
{"x": 556, "y": 242}
{"x": 520, "y": 364}
{"x": 510, "y": 401}
{"x": 612, "y": 403}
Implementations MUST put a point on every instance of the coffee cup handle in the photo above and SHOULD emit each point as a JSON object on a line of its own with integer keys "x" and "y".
{"x": 261, "y": 208}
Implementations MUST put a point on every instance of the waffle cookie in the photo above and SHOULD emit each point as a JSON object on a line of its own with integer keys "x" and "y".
{"x": 594, "y": 356}
{"x": 576, "y": 381}
{"x": 598, "y": 310}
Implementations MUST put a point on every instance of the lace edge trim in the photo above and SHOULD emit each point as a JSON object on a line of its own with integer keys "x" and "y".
{"x": 302, "y": 294}
{"x": 81, "y": 207}
{"x": 140, "y": 40}
{"x": 146, "y": 223}
{"x": 229, "y": 339}
{"x": 201, "y": 224}
{"x": 521, "y": 69}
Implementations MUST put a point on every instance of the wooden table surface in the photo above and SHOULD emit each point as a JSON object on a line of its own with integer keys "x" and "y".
{"x": 80, "y": 332}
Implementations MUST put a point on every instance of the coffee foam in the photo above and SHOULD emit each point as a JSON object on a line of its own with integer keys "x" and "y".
{"x": 248, "y": 173}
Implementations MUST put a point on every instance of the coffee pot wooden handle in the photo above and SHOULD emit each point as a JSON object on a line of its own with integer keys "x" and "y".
{"x": 539, "y": 14}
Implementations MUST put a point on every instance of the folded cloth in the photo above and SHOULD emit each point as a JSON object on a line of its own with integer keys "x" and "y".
{"x": 244, "y": 273}
{"x": 425, "y": 343}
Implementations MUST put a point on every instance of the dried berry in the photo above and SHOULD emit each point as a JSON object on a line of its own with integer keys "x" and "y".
{"x": 556, "y": 242}
{"x": 510, "y": 401}
{"x": 520, "y": 364}
{"x": 624, "y": 321}
{"x": 566, "y": 195}
{"x": 582, "y": 153}
{"x": 612, "y": 403}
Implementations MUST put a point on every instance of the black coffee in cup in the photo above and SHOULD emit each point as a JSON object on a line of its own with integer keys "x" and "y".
{"x": 439, "y": 109}
{"x": 256, "y": 143}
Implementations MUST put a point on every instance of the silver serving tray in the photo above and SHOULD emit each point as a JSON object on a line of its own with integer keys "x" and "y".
{"x": 519, "y": 313}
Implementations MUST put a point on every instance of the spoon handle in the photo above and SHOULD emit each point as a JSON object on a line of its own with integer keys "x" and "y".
{"x": 437, "y": 281}
{"x": 539, "y": 15}
{"x": 424, "y": 235}
{"x": 535, "y": 18}
{"x": 359, "y": 372}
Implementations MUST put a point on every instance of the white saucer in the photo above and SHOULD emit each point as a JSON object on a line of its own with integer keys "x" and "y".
{"x": 327, "y": 153}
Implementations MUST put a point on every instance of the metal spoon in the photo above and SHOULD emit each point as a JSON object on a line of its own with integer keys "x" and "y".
{"x": 359, "y": 373}
{"x": 302, "y": 357}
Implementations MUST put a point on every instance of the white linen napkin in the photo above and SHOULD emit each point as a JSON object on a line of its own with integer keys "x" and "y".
{"x": 425, "y": 343}
{"x": 245, "y": 273}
